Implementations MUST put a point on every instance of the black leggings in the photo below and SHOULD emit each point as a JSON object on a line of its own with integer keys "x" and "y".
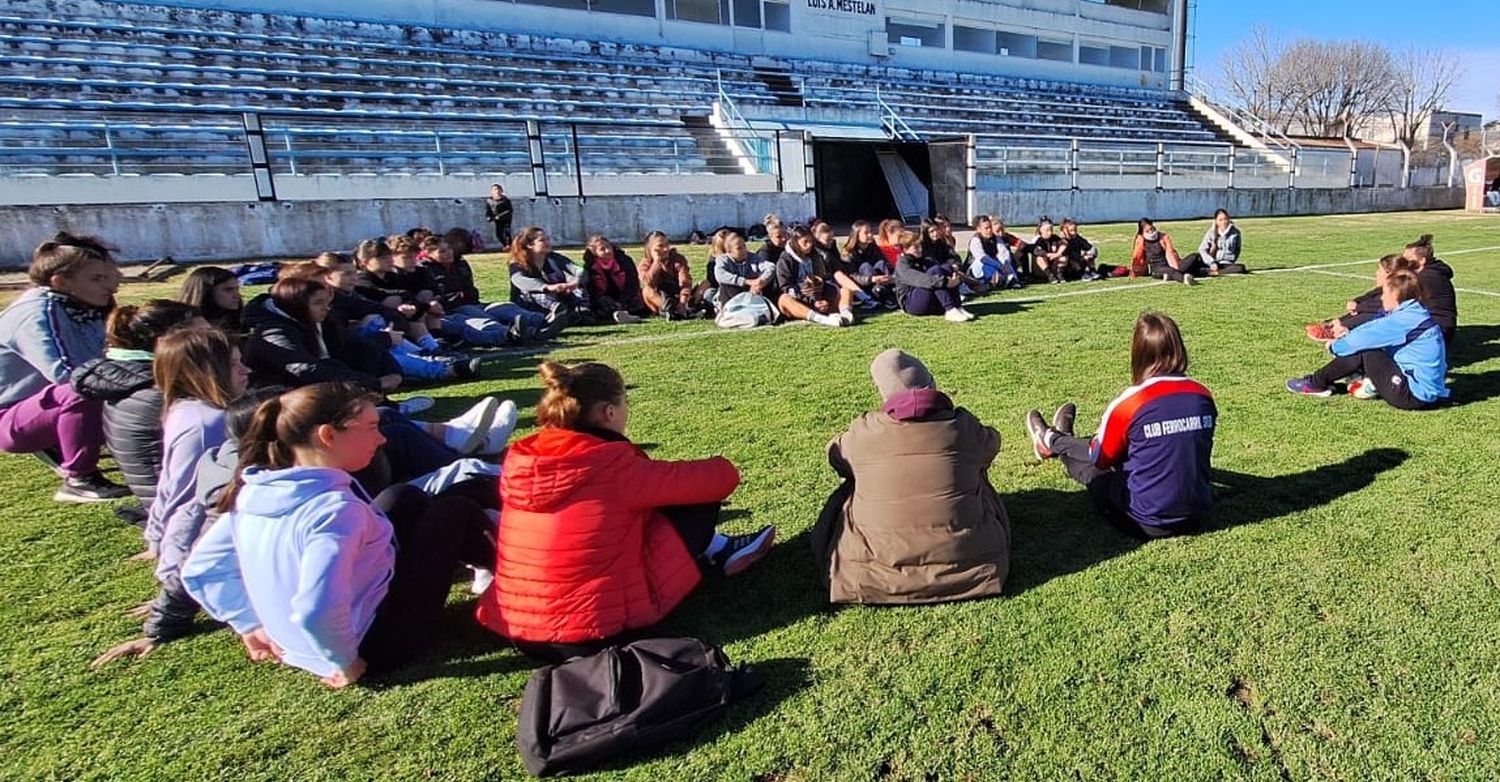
{"x": 433, "y": 537}
{"x": 1108, "y": 490}
{"x": 696, "y": 525}
{"x": 1196, "y": 261}
{"x": 1382, "y": 370}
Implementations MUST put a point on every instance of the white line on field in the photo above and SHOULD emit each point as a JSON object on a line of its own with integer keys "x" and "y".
{"x": 1316, "y": 266}
{"x": 1366, "y": 277}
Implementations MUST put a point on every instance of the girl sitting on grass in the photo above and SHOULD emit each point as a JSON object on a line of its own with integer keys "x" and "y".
{"x": 1155, "y": 256}
{"x": 596, "y": 538}
{"x": 1400, "y": 357}
{"x": 545, "y": 281}
{"x": 311, "y": 572}
{"x": 925, "y": 287}
{"x": 215, "y": 293}
{"x": 1148, "y": 466}
{"x": 614, "y": 282}
{"x": 806, "y": 284}
{"x": 866, "y": 266}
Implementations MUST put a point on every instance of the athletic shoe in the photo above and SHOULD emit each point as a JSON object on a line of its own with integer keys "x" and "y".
{"x": 467, "y": 432}
{"x": 1320, "y": 332}
{"x": 832, "y": 321}
{"x": 624, "y": 318}
{"x": 417, "y": 404}
{"x": 1363, "y": 388}
{"x": 483, "y": 578}
{"x": 1089, "y": 276}
{"x": 967, "y": 315}
{"x": 741, "y": 551}
{"x": 467, "y": 370}
{"x": 847, "y": 316}
{"x": 1062, "y": 420}
{"x": 869, "y": 305}
{"x": 499, "y": 432}
{"x": 90, "y": 488}
{"x": 1038, "y": 430}
{"x": 891, "y": 304}
{"x": 955, "y": 315}
{"x": 1187, "y": 279}
{"x": 1305, "y": 387}
{"x": 557, "y": 320}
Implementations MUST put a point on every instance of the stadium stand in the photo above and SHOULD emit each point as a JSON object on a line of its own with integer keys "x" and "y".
{"x": 362, "y": 97}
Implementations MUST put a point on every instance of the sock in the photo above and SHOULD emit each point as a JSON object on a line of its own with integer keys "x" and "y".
{"x": 716, "y": 545}
{"x": 426, "y": 342}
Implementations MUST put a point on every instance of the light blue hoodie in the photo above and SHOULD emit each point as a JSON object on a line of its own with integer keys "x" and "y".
{"x": 304, "y": 555}
{"x": 1423, "y": 359}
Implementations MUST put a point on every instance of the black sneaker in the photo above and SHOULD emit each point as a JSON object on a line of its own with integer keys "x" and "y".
{"x": 1038, "y": 430}
{"x": 90, "y": 488}
{"x": 467, "y": 370}
{"x": 1062, "y": 420}
{"x": 742, "y": 551}
{"x": 557, "y": 320}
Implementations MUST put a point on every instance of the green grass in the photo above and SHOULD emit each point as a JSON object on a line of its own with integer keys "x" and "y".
{"x": 1337, "y": 622}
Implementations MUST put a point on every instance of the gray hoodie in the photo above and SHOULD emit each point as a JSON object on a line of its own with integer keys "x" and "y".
{"x": 44, "y": 336}
{"x": 173, "y": 609}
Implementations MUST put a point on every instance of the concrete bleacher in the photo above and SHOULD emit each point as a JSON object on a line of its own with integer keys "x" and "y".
{"x": 638, "y": 109}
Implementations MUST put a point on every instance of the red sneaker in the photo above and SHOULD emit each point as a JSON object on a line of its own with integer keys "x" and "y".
{"x": 1319, "y": 332}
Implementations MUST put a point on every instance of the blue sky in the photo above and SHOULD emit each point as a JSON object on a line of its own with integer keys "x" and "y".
{"x": 1468, "y": 28}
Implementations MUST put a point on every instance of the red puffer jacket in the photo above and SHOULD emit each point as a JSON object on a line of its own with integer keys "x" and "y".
{"x": 583, "y": 553}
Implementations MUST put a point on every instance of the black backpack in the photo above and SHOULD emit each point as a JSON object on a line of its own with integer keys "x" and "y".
{"x": 623, "y": 700}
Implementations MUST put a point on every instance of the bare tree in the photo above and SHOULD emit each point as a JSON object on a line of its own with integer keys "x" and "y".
{"x": 1250, "y": 73}
{"x": 1338, "y": 84}
{"x": 1422, "y": 81}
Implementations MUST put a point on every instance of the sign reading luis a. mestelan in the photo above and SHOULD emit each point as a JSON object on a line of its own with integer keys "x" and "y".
{"x": 844, "y": 7}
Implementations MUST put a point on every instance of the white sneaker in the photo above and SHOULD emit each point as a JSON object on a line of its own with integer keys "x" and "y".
{"x": 417, "y": 404}
{"x": 967, "y": 315}
{"x": 819, "y": 318}
{"x": 847, "y": 316}
{"x": 467, "y": 432}
{"x": 483, "y": 578}
{"x": 1187, "y": 279}
{"x": 499, "y": 432}
{"x": 624, "y": 318}
{"x": 955, "y": 315}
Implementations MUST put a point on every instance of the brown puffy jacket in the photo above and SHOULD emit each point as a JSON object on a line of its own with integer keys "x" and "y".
{"x": 916, "y": 520}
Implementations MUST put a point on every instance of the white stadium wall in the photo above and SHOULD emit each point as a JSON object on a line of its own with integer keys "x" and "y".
{"x": 234, "y": 231}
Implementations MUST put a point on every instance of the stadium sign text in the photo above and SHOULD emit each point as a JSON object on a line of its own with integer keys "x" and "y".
{"x": 856, "y": 7}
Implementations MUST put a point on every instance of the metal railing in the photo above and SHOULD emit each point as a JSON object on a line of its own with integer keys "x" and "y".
{"x": 132, "y": 143}
{"x": 755, "y": 148}
{"x": 892, "y": 123}
{"x": 1247, "y": 121}
{"x": 1075, "y": 163}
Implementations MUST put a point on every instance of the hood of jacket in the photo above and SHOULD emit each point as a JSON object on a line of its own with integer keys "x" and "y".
{"x": 216, "y": 472}
{"x": 542, "y": 471}
{"x": 111, "y": 380}
{"x": 1436, "y": 266}
{"x": 275, "y": 493}
{"x": 260, "y": 312}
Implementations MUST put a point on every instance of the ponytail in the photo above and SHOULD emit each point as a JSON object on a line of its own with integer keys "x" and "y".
{"x": 284, "y": 423}
{"x": 572, "y": 393}
{"x": 131, "y": 327}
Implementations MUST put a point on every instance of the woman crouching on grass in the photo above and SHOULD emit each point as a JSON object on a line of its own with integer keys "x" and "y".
{"x": 597, "y": 539}
{"x": 306, "y": 567}
{"x": 1400, "y": 357}
{"x": 1147, "y": 468}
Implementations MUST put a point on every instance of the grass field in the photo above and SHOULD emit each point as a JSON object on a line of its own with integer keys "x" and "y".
{"x": 1339, "y": 621}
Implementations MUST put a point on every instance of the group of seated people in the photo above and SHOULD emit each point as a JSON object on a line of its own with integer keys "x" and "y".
{"x": 283, "y": 493}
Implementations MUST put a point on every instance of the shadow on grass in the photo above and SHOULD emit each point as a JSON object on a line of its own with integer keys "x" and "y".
{"x": 997, "y": 306}
{"x": 1059, "y": 533}
{"x": 1473, "y": 345}
{"x": 466, "y": 650}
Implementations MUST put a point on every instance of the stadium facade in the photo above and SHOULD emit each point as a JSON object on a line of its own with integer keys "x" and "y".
{"x": 1139, "y": 43}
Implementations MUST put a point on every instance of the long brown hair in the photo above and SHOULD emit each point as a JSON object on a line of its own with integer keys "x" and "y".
{"x": 281, "y": 425}
{"x": 851, "y": 244}
{"x": 574, "y": 391}
{"x": 1156, "y": 348}
{"x": 520, "y": 250}
{"x": 1406, "y": 285}
{"x": 194, "y": 364}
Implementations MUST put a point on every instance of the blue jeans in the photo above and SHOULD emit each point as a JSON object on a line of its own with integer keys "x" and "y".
{"x": 491, "y": 324}
{"x": 410, "y": 449}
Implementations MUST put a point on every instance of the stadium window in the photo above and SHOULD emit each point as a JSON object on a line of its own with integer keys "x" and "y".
{"x": 1125, "y": 57}
{"x": 1015, "y": 45}
{"x": 1060, "y": 51}
{"x": 973, "y": 39}
{"x": 630, "y": 7}
{"x": 576, "y": 5}
{"x": 747, "y": 13}
{"x": 707, "y": 11}
{"x": 778, "y": 16}
{"x": 1151, "y": 6}
{"x": 1093, "y": 54}
{"x": 914, "y": 32}
{"x": 1161, "y": 61}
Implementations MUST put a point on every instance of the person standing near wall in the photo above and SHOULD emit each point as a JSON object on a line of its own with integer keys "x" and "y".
{"x": 499, "y": 211}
